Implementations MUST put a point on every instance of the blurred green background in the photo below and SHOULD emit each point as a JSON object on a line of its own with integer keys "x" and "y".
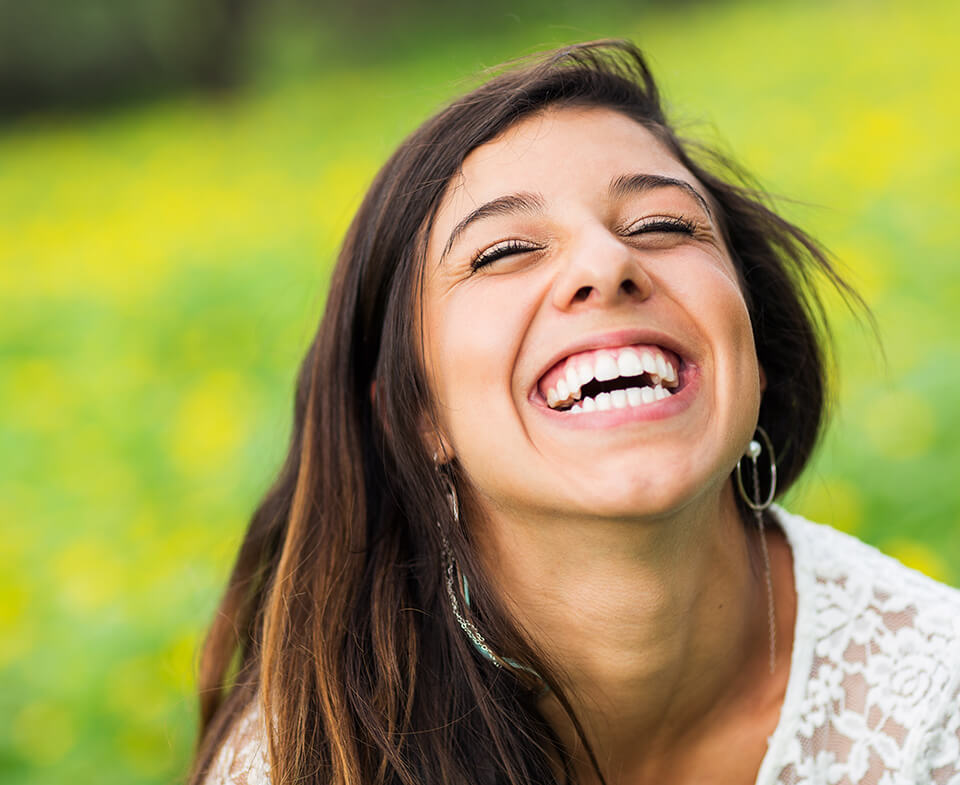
{"x": 168, "y": 222}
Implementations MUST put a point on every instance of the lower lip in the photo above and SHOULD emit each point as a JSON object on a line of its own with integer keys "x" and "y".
{"x": 658, "y": 410}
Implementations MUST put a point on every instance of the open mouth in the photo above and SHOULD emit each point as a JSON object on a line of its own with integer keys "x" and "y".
{"x": 611, "y": 378}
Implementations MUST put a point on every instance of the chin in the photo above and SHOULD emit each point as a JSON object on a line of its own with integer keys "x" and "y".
{"x": 647, "y": 497}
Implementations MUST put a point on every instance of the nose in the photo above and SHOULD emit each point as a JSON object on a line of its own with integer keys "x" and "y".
{"x": 600, "y": 270}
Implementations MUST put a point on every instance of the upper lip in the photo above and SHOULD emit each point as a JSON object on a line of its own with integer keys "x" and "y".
{"x": 611, "y": 339}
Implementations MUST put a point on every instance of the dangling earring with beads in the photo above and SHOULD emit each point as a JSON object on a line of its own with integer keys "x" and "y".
{"x": 451, "y": 573}
{"x": 754, "y": 450}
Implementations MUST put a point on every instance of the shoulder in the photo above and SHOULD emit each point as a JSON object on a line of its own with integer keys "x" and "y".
{"x": 876, "y": 665}
{"x": 243, "y": 757}
{"x": 837, "y": 566}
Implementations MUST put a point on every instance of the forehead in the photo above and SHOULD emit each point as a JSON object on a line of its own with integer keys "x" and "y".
{"x": 559, "y": 153}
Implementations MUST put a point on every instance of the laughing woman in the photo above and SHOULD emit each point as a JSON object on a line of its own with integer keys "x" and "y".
{"x": 524, "y": 532}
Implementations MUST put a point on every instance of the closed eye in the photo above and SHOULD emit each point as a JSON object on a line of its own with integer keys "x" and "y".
{"x": 501, "y": 249}
{"x": 662, "y": 223}
{"x": 652, "y": 224}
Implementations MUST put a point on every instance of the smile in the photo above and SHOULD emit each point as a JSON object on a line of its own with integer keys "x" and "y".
{"x": 611, "y": 378}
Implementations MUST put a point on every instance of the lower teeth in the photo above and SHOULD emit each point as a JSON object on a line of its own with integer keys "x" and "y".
{"x": 621, "y": 399}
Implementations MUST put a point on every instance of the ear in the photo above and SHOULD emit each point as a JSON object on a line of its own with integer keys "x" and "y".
{"x": 763, "y": 379}
{"x": 438, "y": 445}
{"x": 435, "y": 440}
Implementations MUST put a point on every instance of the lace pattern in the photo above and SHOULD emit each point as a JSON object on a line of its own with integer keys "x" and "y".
{"x": 243, "y": 756}
{"x": 874, "y": 691}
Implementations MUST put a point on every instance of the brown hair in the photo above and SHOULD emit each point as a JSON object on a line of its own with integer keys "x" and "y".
{"x": 336, "y": 614}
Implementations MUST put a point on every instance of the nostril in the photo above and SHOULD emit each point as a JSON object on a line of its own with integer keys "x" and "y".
{"x": 628, "y": 287}
{"x": 582, "y": 294}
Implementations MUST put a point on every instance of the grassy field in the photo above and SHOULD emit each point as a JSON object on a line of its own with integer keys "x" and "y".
{"x": 163, "y": 267}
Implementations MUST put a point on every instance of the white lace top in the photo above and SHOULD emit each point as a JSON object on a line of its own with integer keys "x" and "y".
{"x": 873, "y": 696}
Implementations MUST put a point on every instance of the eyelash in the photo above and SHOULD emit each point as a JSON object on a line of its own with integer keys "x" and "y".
{"x": 658, "y": 223}
{"x": 498, "y": 251}
{"x": 663, "y": 223}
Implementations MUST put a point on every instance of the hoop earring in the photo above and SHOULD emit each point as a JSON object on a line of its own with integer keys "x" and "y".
{"x": 451, "y": 573}
{"x": 754, "y": 450}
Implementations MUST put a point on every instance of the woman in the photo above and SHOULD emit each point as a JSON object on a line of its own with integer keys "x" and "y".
{"x": 524, "y": 533}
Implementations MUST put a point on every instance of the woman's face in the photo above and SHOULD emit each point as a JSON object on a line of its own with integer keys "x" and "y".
{"x": 585, "y": 334}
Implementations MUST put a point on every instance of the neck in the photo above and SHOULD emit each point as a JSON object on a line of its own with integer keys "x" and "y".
{"x": 658, "y": 628}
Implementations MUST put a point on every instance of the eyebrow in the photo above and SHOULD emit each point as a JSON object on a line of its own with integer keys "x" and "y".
{"x": 627, "y": 184}
{"x": 513, "y": 203}
{"x": 524, "y": 202}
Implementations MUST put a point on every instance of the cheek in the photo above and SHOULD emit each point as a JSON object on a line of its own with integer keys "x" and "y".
{"x": 713, "y": 291}
{"x": 736, "y": 345}
{"x": 715, "y": 299}
{"x": 737, "y": 351}
{"x": 472, "y": 340}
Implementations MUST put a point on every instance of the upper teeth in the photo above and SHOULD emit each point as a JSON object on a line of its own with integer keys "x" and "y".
{"x": 611, "y": 364}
